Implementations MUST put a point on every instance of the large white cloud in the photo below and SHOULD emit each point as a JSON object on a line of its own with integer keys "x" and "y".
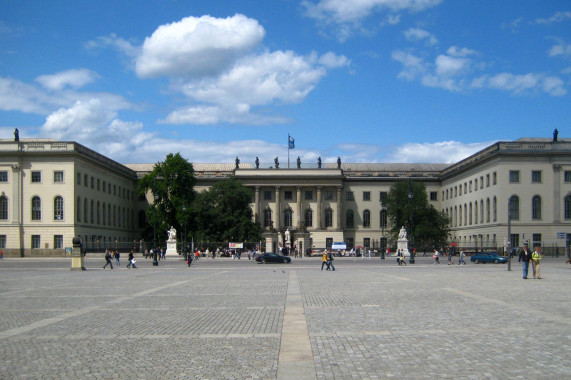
{"x": 523, "y": 84}
{"x": 439, "y": 152}
{"x": 197, "y": 46}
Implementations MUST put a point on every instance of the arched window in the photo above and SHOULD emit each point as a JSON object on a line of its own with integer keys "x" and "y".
{"x": 92, "y": 212}
{"x": 268, "y": 217}
{"x": 470, "y": 220}
{"x": 288, "y": 216}
{"x": 329, "y": 217}
{"x": 567, "y": 207}
{"x": 488, "y": 210}
{"x": 98, "y": 212}
{"x": 58, "y": 208}
{"x": 85, "y": 212}
{"x": 456, "y": 216}
{"x": 104, "y": 209}
{"x": 465, "y": 210}
{"x": 383, "y": 218}
{"x": 366, "y": 218}
{"x": 3, "y": 208}
{"x": 36, "y": 208}
{"x": 536, "y": 207}
{"x": 476, "y": 212}
{"x": 460, "y": 216}
{"x": 78, "y": 208}
{"x": 482, "y": 209}
{"x": 495, "y": 209}
{"x": 308, "y": 217}
{"x": 350, "y": 219}
{"x": 514, "y": 207}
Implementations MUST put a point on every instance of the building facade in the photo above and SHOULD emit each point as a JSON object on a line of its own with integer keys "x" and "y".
{"x": 52, "y": 191}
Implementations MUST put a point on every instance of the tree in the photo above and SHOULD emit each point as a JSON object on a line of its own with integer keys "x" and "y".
{"x": 172, "y": 184}
{"x": 223, "y": 213}
{"x": 429, "y": 227}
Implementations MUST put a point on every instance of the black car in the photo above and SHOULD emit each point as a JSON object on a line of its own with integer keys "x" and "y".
{"x": 271, "y": 257}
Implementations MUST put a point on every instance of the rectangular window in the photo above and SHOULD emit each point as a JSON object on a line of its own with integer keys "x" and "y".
{"x": 104, "y": 186}
{"x": 35, "y": 241}
{"x": 470, "y": 186}
{"x": 309, "y": 195}
{"x": 36, "y": 176}
{"x": 383, "y": 197}
{"x": 481, "y": 182}
{"x": 366, "y": 244}
{"x": 267, "y": 195}
{"x": 536, "y": 176}
{"x": 114, "y": 189}
{"x": 433, "y": 196}
{"x": 58, "y": 241}
{"x": 567, "y": 175}
{"x": 3, "y": 176}
{"x": 58, "y": 176}
{"x": 475, "y": 185}
{"x": 349, "y": 196}
{"x": 536, "y": 240}
{"x": 494, "y": 178}
{"x": 366, "y": 195}
{"x": 85, "y": 179}
{"x": 92, "y": 183}
{"x": 78, "y": 178}
{"x": 487, "y": 180}
{"x": 288, "y": 195}
{"x": 514, "y": 176}
{"x": 328, "y": 195}
{"x": 98, "y": 184}
{"x": 2, "y": 241}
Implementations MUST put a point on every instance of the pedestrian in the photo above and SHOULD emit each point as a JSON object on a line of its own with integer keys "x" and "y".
{"x": 536, "y": 259}
{"x": 1, "y": 254}
{"x": 450, "y": 257}
{"x": 132, "y": 260}
{"x": 189, "y": 259}
{"x": 330, "y": 257}
{"x": 524, "y": 259}
{"x": 324, "y": 260}
{"x": 108, "y": 259}
{"x": 399, "y": 257}
{"x": 462, "y": 255}
{"x": 117, "y": 257}
{"x": 435, "y": 256}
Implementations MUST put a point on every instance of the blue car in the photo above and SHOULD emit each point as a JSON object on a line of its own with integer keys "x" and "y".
{"x": 488, "y": 257}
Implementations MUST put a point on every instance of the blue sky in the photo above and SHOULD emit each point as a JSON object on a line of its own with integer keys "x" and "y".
{"x": 368, "y": 80}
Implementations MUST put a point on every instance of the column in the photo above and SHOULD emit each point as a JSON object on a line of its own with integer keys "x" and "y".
{"x": 319, "y": 205}
{"x": 339, "y": 206}
{"x": 556, "y": 193}
{"x": 299, "y": 219}
{"x": 277, "y": 210}
{"x": 257, "y": 204}
{"x": 17, "y": 211}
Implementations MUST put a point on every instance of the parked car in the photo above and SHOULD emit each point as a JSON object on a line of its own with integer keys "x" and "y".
{"x": 488, "y": 257}
{"x": 271, "y": 257}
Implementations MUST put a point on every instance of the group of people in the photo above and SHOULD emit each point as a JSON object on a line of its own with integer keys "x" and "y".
{"x": 111, "y": 255}
{"x": 327, "y": 259}
{"x": 526, "y": 257}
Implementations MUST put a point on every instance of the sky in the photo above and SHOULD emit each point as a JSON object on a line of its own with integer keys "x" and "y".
{"x": 410, "y": 81}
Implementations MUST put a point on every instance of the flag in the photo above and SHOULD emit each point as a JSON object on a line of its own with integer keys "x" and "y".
{"x": 291, "y": 142}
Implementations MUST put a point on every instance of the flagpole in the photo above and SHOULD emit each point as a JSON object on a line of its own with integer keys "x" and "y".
{"x": 288, "y": 136}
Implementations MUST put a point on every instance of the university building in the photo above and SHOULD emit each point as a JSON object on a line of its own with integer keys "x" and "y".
{"x": 52, "y": 191}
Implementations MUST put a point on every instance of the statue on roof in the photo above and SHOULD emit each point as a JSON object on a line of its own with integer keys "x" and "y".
{"x": 298, "y": 162}
{"x": 237, "y": 162}
{"x": 257, "y": 163}
{"x": 555, "y": 134}
{"x": 319, "y": 162}
{"x": 338, "y": 162}
{"x": 277, "y": 162}
{"x": 16, "y": 135}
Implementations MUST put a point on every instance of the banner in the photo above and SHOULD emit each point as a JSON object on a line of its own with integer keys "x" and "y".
{"x": 235, "y": 245}
{"x": 291, "y": 142}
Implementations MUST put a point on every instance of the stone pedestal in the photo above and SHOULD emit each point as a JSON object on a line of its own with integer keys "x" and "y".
{"x": 402, "y": 244}
{"x": 77, "y": 259}
{"x": 171, "y": 249}
{"x": 271, "y": 239}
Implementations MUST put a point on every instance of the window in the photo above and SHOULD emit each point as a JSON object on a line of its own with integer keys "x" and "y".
{"x": 349, "y": 196}
{"x": 35, "y": 241}
{"x": 536, "y": 240}
{"x": 308, "y": 217}
{"x": 85, "y": 210}
{"x": 328, "y": 195}
{"x": 2, "y": 241}
{"x": 494, "y": 178}
{"x": 470, "y": 186}
{"x": 536, "y": 176}
{"x": 36, "y": 208}
{"x": 366, "y": 218}
{"x": 58, "y": 241}
{"x": 383, "y": 197}
{"x": 514, "y": 207}
{"x": 514, "y": 176}
{"x": 465, "y": 188}
{"x": 383, "y": 218}
{"x": 98, "y": 212}
{"x": 58, "y": 208}
{"x": 515, "y": 240}
{"x": 92, "y": 183}
{"x": 78, "y": 178}
{"x": 288, "y": 195}
{"x": 488, "y": 210}
{"x": 567, "y": 175}
{"x": 104, "y": 186}
{"x": 366, "y": 244}
{"x": 3, "y": 176}
{"x": 434, "y": 195}
{"x": 58, "y": 176}
{"x": 98, "y": 184}
{"x": 350, "y": 219}
{"x": 267, "y": 195}
{"x": 568, "y": 207}
{"x": 481, "y": 182}
{"x": 36, "y": 176}
{"x": 85, "y": 178}
{"x": 308, "y": 195}
{"x": 366, "y": 195}
{"x": 495, "y": 209}
{"x": 487, "y": 180}
{"x": 92, "y": 214}
{"x": 267, "y": 217}
{"x": 288, "y": 217}
{"x": 475, "y": 185}
{"x": 3, "y": 208}
{"x": 536, "y": 207}
{"x": 329, "y": 217}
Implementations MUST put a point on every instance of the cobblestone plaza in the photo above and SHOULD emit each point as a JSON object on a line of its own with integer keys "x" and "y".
{"x": 234, "y": 319}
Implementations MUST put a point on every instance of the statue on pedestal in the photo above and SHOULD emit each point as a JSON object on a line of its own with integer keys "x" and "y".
{"x": 402, "y": 233}
{"x": 171, "y": 234}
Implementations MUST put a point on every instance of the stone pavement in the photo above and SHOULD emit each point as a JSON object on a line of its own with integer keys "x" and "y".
{"x": 234, "y": 319}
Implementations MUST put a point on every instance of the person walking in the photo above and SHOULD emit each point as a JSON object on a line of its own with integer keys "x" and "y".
{"x": 330, "y": 258}
{"x": 524, "y": 259}
{"x": 324, "y": 260}
{"x": 436, "y": 256}
{"x": 462, "y": 255}
{"x": 535, "y": 261}
{"x": 108, "y": 259}
{"x": 117, "y": 257}
{"x": 132, "y": 260}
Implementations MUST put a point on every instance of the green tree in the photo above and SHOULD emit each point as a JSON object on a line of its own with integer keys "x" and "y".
{"x": 223, "y": 213}
{"x": 429, "y": 227}
{"x": 172, "y": 184}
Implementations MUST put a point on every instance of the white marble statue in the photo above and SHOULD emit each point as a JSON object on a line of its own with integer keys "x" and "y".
{"x": 171, "y": 234}
{"x": 402, "y": 233}
{"x": 287, "y": 236}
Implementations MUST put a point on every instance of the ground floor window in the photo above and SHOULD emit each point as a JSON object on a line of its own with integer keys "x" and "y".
{"x": 58, "y": 241}
{"x": 35, "y": 241}
{"x": 2, "y": 241}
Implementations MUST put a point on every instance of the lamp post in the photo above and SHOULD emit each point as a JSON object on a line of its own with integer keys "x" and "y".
{"x": 184, "y": 250}
{"x": 411, "y": 254}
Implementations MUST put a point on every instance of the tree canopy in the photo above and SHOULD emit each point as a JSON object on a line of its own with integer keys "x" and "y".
{"x": 429, "y": 226}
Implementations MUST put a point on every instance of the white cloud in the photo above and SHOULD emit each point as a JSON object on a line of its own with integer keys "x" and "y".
{"x": 557, "y": 17}
{"x": 126, "y": 47}
{"x": 413, "y": 65}
{"x": 197, "y": 46}
{"x": 19, "y": 96}
{"x": 439, "y": 152}
{"x": 73, "y": 78}
{"x": 416, "y": 34}
{"x": 562, "y": 48}
{"x": 522, "y": 84}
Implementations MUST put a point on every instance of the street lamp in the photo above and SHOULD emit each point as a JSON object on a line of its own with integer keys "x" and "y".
{"x": 411, "y": 254}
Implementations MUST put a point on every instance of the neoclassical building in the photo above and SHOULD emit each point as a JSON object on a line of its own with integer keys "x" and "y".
{"x": 51, "y": 191}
